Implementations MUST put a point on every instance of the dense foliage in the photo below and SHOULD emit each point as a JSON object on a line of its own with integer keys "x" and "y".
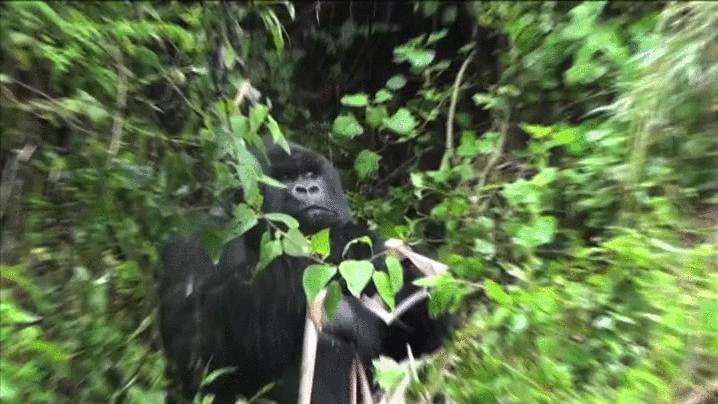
{"x": 561, "y": 157}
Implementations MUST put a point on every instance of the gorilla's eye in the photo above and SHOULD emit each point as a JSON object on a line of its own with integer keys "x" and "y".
{"x": 285, "y": 177}
{"x": 311, "y": 174}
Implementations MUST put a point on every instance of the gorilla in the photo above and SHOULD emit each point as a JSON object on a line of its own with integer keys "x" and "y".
{"x": 251, "y": 322}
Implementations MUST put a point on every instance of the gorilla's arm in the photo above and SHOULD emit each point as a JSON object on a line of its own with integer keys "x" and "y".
{"x": 188, "y": 303}
{"x": 416, "y": 327}
{"x": 214, "y": 317}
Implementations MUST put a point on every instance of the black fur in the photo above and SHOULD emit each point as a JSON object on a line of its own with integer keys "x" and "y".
{"x": 225, "y": 316}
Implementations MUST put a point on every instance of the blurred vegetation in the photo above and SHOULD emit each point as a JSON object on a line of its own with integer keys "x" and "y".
{"x": 561, "y": 157}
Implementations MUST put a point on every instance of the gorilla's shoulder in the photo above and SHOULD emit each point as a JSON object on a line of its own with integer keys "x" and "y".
{"x": 364, "y": 241}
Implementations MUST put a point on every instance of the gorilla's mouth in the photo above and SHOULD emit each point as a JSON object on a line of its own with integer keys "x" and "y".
{"x": 313, "y": 218}
{"x": 315, "y": 210}
{"x": 314, "y": 207}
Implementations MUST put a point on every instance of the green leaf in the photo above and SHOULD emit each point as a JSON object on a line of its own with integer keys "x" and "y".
{"x": 249, "y": 172}
{"x": 363, "y": 239}
{"x": 537, "y": 131}
{"x": 295, "y": 244}
{"x": 496, "y": 293}
{"x": 214, "y": 375}
{"x": 334, "y": 296}
{"x": 320, "y": 243}
{"x": 429, "y": 281}
{"x": 274, "y": 26}
{"x": 436, "y": 36}
{"x": 265, "y": 179}
{"x": 367, "y": 163}
{"x": 277, "y": 135}
{"x": 357, "y": 274}
{"x": 288, "y": 220}
{"x": 396, "y": 82}
{"x": 269, "y": 250}
{"x": 388, "y": 373}
{"x": 402, "y": 122}
{"x": 316, "y": 277}
{"x": 471, "y": 147}
{"x": 257, "y": 116}
{"x": 417, "y": 57}
{"x": 240, "y": 125}
{"x": 585, "y": 73}
{"x": 540, "y": 231}
{"x": 355, "y": 100}
{"x": 244, "y": 219}
{"x": 347, "y": 126}
{"x": 521, "y": 192}
{"x": 395, "y": 271}
{"x": 382, "y": 96}
{"x": 383, "y": 286}
{"x": 488, "y": 101}
{"x": 375, "y": 116}
{"x": 484, "y": 247}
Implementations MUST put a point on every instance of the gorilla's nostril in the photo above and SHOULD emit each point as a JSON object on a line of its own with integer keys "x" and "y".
{"x": 313, "y": 189}
{"x": 300, "y": 189}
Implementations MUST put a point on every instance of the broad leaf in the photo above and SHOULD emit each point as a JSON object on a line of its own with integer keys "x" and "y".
{"x": 334, "y": 296}
{"x": 540, "y": 231}
{"x": 376, "y": 115}
{"x": 355, "y": 100}
{"x": 382, "y": 96}
{"x": 288, "y": 220}
{"x": 396, "y": 82}
{"x": 357, "y": 274}
{"x": 496, "y": 293}
{"x": 383, "y": 286}
{"x": 316, "y": 277}
{"x": 402, "y": 122}
{"x": 269, "y": 250}
{"x": 347, "y": 126}
{"x": 396, "y": 273}
{"x": 366, "y": 163}
{"x": 320, "y": 243}
{"x": 295, "y": 244}
{"x": 244, "y": 219}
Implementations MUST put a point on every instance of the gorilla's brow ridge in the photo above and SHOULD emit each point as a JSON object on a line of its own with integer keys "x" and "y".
{"x": 297, "y": 163}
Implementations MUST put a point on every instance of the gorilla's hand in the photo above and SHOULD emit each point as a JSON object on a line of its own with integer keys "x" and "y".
{"x": 352, "y": 323}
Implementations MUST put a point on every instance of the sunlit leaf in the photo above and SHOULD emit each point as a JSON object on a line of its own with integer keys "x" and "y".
{"x": 396, "y": 82}
{"x": 316, "y": 277}
{"x": 382, "y": 96}
{"x": 288, "y": 220}
{"x": 366, "y": 163}
{"x": 396, "y": 273}
{"x": 320, "y": 243}
{"x": 536, "y": 233}
{"x": 383, "y": 286}
{"x": 355, "y": 100}
{"x": 375, "y": 116}
{"x": 496, "y": 293}
{"x": 347, "y": 126}
{"x": 388, "y": 372}
{"x": 402, "y": 122}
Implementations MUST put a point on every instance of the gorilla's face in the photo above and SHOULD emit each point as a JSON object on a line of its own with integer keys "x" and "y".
{"x": 313, "y": 192}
